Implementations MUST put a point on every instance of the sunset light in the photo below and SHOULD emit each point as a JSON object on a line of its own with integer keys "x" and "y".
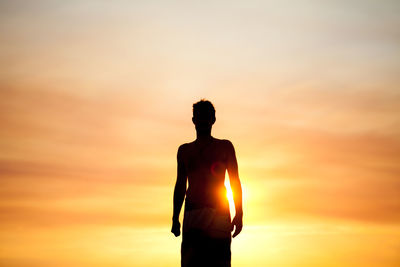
{"x": 96, "y": 97}
{"x": 229, "y": 195}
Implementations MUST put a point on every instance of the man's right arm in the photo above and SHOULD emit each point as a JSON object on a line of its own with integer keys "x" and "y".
{"x": 179, "y": 192}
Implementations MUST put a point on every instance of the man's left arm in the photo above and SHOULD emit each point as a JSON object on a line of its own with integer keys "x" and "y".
{"x": 236, "y": 186}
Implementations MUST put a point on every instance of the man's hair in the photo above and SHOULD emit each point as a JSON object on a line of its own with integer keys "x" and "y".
{"x": 204, "y": 107}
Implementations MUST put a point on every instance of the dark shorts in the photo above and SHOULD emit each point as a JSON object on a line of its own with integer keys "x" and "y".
{"x": 199, "y": 249}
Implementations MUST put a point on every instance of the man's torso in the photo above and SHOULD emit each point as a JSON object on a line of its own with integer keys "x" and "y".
{"x": 205, "y": 165}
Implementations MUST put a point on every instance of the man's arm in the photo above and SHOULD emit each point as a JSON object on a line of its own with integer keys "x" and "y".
{"x": 234, "y": 180}
{"x": 179, "y": 193}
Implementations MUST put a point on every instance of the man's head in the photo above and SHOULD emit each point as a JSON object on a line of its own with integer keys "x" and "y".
{"x": 203, "y": 115}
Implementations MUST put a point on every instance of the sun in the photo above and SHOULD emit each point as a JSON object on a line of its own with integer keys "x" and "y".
{"x": 229, "y": 195}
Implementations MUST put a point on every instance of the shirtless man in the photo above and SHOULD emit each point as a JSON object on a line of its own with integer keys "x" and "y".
{"x": 207, "y": 226}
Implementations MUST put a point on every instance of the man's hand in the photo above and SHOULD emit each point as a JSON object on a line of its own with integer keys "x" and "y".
{"x": 176, "y": 228}
{"x": 238, "y": 223}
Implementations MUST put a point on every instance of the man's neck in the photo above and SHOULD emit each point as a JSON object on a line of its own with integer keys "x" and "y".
{"x": 203, "y": 137}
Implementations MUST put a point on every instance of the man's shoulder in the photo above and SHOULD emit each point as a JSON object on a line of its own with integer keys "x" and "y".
{"x": 225, "y": 142}
{"x": 184, "y": 146}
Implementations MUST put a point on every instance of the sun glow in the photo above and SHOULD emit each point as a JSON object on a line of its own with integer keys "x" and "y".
{"x": 229, "y": 195}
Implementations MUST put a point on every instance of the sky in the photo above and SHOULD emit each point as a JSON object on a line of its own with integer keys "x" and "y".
{"x": 96, "y": 97}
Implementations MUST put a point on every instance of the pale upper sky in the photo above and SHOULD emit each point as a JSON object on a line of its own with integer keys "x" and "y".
{"x": 96, "y": 97}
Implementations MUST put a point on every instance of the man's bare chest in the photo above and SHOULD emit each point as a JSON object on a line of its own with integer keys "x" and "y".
{"x": 209, "y": 159}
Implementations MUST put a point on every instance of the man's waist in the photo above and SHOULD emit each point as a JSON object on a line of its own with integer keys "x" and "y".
{"x": 192, "y": 205}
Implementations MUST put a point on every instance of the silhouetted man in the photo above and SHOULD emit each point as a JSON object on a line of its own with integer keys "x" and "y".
{"x": 207, "y": 226}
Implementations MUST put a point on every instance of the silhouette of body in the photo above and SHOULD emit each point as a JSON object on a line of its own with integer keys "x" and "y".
{"x": 207, "y": 226}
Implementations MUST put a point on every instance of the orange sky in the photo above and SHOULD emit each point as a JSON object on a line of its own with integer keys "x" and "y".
{"x": 96, "y": 97}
